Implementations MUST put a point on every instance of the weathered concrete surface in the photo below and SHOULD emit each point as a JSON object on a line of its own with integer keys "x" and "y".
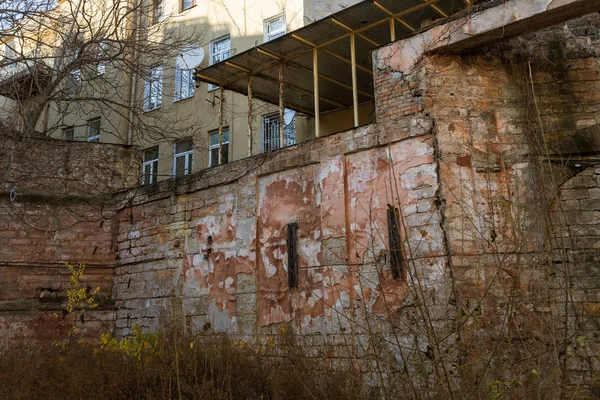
{"x": 502, "y": 21}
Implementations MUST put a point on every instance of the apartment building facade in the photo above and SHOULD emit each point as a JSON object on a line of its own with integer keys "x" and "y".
{"x": 174, "y": 119}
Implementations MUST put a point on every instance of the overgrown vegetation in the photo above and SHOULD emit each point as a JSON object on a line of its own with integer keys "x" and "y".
{"x": 149, "y": 366}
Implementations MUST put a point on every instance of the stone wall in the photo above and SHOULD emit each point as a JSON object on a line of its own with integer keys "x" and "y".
{"x": 491, "y": 159}
{"x": 55, "y": 209}
{"x": 516, "y": 130}
{"x": 218, "y": 240}
{"x": 477, "y": 152}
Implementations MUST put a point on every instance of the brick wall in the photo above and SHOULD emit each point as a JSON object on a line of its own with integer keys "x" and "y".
{"x": 516, "y": 125}
{"x": 55, "y": 209}
{"x": 491, "y": 159}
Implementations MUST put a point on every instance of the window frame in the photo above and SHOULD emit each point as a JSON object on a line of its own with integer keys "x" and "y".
{"x": 287, "y": 139}
{"x": 212, "y": 147}
{"x": 211, "y": 60}
{"x": 155, "y": 76}
{"x": 153, "y": 163}
{"x": 95, "y": 138}
{"x": 189, "y": 157}
{"x": 64, "y": 132}
{"x": 102, "y": 53}
{"x": 158, "y": 17}
{"x": 269, "y": 118}
{"x": 179, "y": 74}
{"x": 182, "y": 7}
{"x": 74, "y": 77}
{"x": 266, "y": 22}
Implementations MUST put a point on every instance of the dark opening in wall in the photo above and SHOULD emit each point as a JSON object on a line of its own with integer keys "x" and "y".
{"x": 394, "y": 241}
{"x": 292, "y": 236}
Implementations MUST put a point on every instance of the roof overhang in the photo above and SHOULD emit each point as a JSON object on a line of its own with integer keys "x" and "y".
{"x": 371, "y": 23}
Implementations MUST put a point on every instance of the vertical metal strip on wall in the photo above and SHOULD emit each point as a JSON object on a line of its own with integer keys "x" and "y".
{"x": 394, "y": 241}
{"x": 292, "y": 238}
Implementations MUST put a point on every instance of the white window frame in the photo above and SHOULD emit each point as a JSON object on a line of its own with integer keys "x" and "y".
{"x": 102, "y": 52}
{"x": 189, "y": 158}
{"x": 184, "y": 77}
{"x": 153, "y": 165}
{"x": 222, "y": 55}
{"x": 289, "y": 138}
{"x": 153, "y": 89}
{"x": 74, "y": 78}
{"x": 272, "y": 136}
{"x": 95, "y": 138}
{"x": 211, "y": 147}
{"x": 271, "y": 35}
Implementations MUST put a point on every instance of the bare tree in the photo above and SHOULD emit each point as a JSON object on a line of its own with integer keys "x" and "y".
{"x": 75, "y": 58}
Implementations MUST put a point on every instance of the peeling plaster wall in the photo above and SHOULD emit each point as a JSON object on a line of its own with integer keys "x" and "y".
{"x": 516, "y": 136}
{"x": 222, "y": 248}
{"x": 456, "y": 146}
{"x": 491, "y": 159}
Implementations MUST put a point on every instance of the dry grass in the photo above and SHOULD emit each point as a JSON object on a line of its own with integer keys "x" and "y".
{"x": 214, "y": 367}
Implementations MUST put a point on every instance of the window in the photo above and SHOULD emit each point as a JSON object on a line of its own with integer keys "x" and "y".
{"x": 219, "y": 51}
{"x": 94, "y": 130}
{"x": 153, "y": 89}
{"x": 102, "y": 55}
{"x": 186, "y": 4}
{"x": 184, "y": 83}
{"x": 182, "y": 163}
{"x": 292, "y": 240}
{"x": 73, "y": 81}
{"x": 10, "y": 55}
{"x": 213, "y": 155}
{"x": 274, "y": 27}
{"x": 74, "y": 78}
{"x": 69, "y": 133}
{"x": 150, "y": 166}
{"x": 270, "y": 130}
{"x": 158, "y": 11}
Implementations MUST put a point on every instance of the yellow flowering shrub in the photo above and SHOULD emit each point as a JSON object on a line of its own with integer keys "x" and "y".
{"x": 79, "y": 297}
{"x": 142, "y": 344}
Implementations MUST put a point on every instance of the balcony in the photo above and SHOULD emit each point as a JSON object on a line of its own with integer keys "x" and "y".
{"x": 23, "y": 80}
{"x": 325, "y": 70}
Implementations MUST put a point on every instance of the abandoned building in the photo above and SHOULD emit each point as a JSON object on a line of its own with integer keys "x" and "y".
{"x": 456, "y": 219}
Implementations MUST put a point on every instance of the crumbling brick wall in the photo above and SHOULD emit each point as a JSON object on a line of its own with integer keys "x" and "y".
{"x": 490, "y": 158}
{"x": 55, "y": 209}
{"x": 513, "y": 124}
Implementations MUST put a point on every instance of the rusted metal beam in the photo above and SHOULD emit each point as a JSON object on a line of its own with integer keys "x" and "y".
{"x": 281, "y": 108}
{"x": 346, "y": 27}
{"x": 221, "y": 105}
{"x": 331, "y": 53}
{"x": 304, "y": 91}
